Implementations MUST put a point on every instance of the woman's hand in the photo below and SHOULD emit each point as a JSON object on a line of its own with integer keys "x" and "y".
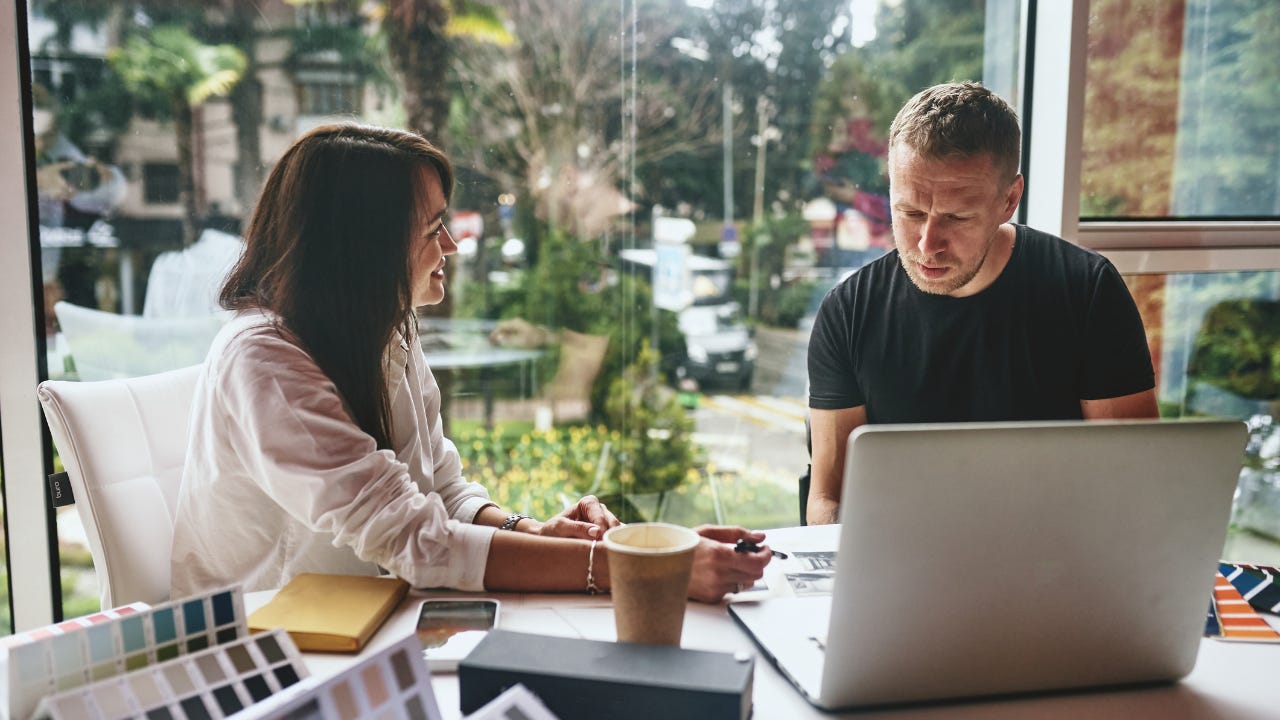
{"x": 718, "y": 569}
{"x": 587, "y": 519}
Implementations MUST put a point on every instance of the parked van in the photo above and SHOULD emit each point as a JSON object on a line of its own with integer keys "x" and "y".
{"x": 719, "y": 348}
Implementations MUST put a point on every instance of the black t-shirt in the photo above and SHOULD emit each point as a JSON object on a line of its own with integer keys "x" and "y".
{"x": 1056, "y": 327}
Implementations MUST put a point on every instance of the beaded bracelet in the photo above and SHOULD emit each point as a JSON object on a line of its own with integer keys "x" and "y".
{"x": 592, "y": 588}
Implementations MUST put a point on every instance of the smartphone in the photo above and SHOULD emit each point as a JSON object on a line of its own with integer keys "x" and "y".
{"x": 449, "y": 629}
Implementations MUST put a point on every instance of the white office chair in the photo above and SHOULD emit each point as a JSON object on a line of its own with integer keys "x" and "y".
{"x": 123, "y": 443}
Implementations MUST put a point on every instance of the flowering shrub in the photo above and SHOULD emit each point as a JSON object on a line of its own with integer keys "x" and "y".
{"x": 540, "y": 472}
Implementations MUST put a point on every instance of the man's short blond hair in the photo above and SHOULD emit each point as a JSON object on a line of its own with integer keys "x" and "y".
{"x": 962, "y": 119}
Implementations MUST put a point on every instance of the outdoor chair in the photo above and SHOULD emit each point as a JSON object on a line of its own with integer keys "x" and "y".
{"x": 123, "y": 444}
{"x": 569, "y": 390}
{"x": 108, "y": 346}
{"x": 568, "y": 394}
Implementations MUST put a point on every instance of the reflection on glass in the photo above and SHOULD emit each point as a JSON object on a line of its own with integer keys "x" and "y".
{"x": 1215, "y": 338}
{"x": 1180, "y": 110}
{"x": 753, "y": 131}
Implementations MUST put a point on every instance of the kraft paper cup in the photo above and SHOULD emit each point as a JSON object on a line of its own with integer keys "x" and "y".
{"x": 649, "y": 569}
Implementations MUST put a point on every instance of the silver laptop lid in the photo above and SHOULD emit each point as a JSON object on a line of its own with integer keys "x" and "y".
{"x": 1011, "y": 557}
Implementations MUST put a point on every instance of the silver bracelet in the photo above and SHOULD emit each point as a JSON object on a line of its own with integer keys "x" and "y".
{"x": 592, "y": 588}
{"x": 512, "y": 520}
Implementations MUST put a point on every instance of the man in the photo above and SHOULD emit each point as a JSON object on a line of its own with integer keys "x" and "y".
{"x": 970, "y": 317}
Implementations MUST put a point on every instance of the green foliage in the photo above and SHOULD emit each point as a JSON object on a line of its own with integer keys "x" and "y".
{"x": 360, "y": 52}
{"x": 1237, "y": 349}
{"x": 1228, "y": 145}
{"x": 480, "y": 22}
{"x": 568, "y": 287}
{"x": 647, "y": 449}
{"x": 784, "y": 305}
{"x": 1188, "y": 305}
{"x": 750, "y": 499}
{"x": 537, "y": 473}
{"x": 75, "y": 604}
{"x": 169, "y": 65}
{"x": 658, "y": 449}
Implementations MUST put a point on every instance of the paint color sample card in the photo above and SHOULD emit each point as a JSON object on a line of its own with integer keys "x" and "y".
{"x": 116, "y": 643}
{"x": 1259, "y": 584}
{"x": 213, "y": 683}
{"x": 74, "y": 624}
{"x": 393, "y": 683}
{"x": 1235, "y": 618}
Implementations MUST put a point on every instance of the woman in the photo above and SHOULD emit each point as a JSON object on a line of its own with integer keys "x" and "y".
{"x": 315, "y": 441}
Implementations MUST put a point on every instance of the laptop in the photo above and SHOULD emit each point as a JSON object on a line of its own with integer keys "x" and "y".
{"x": 1000, "y": 558}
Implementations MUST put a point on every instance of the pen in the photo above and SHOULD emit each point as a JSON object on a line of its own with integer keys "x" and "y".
{"x": 746, "y": 546}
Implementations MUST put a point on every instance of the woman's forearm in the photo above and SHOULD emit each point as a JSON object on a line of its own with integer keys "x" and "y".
{"x": 530, "y": 563}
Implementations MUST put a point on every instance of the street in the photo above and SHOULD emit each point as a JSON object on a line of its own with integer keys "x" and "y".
{"x": 762, "y": 434}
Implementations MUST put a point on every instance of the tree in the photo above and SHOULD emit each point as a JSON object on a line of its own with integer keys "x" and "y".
{"x": 1131, "y": 108}
{"x": 1228, "y": 148}
{"x": 776, "y": 50}
{"x": 917, "y": 44}
{"x": 551, "y": 115}
{"x": 172, "y": 73}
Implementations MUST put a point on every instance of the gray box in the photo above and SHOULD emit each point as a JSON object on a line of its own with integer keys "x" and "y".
{"x": 580, "y": 679}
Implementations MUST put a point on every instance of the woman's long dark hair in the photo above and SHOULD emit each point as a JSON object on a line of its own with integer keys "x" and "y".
{"x": 327, "y": 250}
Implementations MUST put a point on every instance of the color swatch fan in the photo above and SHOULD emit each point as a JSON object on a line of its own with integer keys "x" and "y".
{"x": 71, "y": 654}
{"x": 216, "y": 682}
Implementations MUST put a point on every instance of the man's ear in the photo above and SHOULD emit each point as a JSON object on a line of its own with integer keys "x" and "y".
{"x": 1012, "y": 197}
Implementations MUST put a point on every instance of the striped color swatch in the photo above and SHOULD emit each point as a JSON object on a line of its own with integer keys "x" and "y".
{"x": 1259, "y": 584}
{"x": 213, "y": 683}
{"x": 1235, "y": 617}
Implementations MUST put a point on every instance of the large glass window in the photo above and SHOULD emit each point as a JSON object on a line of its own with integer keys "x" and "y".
{"x": 1181, "y": 114}
{"x": 741, "y": 144}
{"x": 1180, "y": 125}
{"x": 1215, "y": 340}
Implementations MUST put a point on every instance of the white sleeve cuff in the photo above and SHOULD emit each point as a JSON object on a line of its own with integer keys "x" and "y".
{"x": 471, "y": 507}
{"x": 467, "y": 567}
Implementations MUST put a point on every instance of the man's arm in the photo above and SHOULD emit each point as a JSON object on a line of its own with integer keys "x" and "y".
{"x": 1138, "y": 405}
{"x": 830, "y": 432}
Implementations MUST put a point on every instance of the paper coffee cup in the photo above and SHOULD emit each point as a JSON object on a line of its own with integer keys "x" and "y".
{"x": 649, "y": 569}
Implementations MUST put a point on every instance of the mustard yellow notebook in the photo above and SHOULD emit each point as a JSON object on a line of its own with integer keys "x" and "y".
{"x": 330, "y": 613}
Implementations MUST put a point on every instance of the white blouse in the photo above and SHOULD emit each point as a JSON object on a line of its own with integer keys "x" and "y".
{"x": 279, "y": 480}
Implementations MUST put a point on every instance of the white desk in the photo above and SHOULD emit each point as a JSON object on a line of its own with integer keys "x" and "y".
{"x": 1231, "y": 680}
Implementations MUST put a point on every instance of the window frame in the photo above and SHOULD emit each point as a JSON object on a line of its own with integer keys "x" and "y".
{"x": 1056, "y": 54}
{"x": 26, "y": 450}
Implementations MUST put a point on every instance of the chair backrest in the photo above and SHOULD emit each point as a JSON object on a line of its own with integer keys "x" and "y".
{"x": 106, "y": 346}
{"x": 123, "y": 443}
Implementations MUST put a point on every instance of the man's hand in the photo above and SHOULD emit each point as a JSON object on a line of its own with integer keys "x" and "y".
{"x": 718, "y": 569}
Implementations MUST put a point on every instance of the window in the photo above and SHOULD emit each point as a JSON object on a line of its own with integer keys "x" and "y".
{"x": 160, "y": 183}
{"x": 1179, "y": 176}
{"x": 577, "y": 124}
{"x": 329, "y": 98}
{"x": 1215, "y": 340}
{"x": 1181, "y": 111}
